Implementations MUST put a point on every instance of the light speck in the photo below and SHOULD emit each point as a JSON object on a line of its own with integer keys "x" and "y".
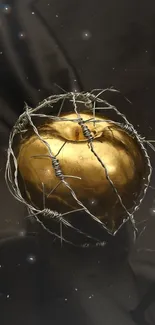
{"x": 8, "y": 296}
{"x": 98, "y": 262}
{"x": 31, "y": 259}
{"x": 86, "y": 35}
{"x": 75, "y": 86}
{"x": 0, "y": 266}
{"x": 76, "y": 289}
{"x": 66, "y": 299}
{"x": 22, "y": 233}
{"x": 38, "y": 89}
{"x": 57, "y": 16}
{"x": 21, "y": 35}
{"x": 1, "y": 52}
{"x": 152, "y": 211}
{"x": 146, "y": 51}
{"x": 113, "y": 68}
{"x": 93, "y": 202}
{"x": 6, "y": 9}
{"x": 90, "y": 297}
{"x": 33, "y": 13}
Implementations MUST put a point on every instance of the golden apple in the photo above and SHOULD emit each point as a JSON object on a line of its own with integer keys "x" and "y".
{"x": 120, "y": 153}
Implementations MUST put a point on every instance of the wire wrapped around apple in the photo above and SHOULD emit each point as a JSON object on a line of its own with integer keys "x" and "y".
{"x": 105, "y": 186}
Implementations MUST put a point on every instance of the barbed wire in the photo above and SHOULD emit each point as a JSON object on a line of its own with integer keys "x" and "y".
{"x": 90, "y": 101}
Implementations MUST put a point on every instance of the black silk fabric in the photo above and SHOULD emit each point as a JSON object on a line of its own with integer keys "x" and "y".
{"x": 75, "y": 45}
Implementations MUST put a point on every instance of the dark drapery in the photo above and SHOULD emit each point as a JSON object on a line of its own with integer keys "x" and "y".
{"x": 47, "y": 46}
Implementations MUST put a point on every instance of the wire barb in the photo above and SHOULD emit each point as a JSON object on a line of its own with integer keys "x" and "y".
{"x": 90, "y": 100}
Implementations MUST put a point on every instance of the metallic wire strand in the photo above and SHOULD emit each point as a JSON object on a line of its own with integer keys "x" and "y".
{"x": 90, "y": 100}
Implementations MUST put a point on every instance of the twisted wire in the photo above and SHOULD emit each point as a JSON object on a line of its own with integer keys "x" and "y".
{"x": 90, "y": 100}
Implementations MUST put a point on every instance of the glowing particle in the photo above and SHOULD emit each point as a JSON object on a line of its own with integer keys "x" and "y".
{"x": 22, "y": 233}
{"x": 86, "y": 35}
{"x": 7, "y": 9}
{"x": 93, "y": 202}
{"x": 91, "y": 296}
{"x": 21, "y": 35}
{"x": 152, "y": 212}
{"x": 75, "y": 86}
{"x": 8, "y": 296}
{"x": 31, "y": 259}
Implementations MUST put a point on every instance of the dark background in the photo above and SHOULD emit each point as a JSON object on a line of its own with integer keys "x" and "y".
{"x": 76, "y": 45}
